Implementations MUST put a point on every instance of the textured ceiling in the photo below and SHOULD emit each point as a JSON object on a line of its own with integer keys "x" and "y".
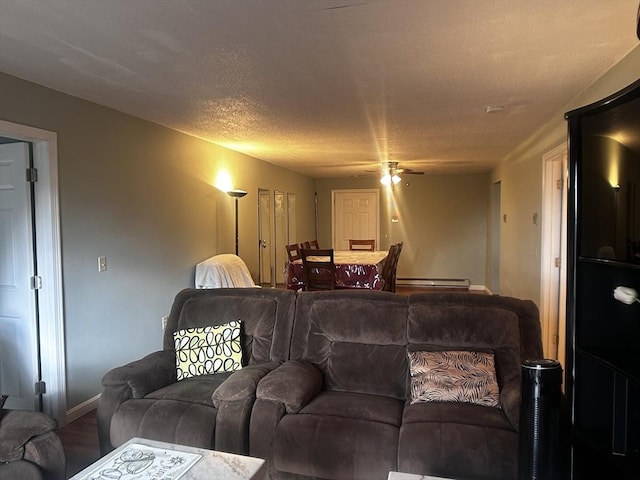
{"x": 327, "y": 87}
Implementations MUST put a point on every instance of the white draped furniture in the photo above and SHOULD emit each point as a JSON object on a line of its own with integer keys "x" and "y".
{"x": 223, "y": 271}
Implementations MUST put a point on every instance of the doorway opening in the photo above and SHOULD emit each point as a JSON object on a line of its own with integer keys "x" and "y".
{"x": 265, "y": 271}
{"x": 554, "y": 242}
{"x": 496, "y": 219}
{"x": 48, "y": 261}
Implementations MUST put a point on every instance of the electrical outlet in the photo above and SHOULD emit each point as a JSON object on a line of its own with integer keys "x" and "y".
{"x": 102, "y": 264}
{"x": 165, "y": 319}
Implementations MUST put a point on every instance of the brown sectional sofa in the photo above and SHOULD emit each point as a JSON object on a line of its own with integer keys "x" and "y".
{"x": 338, "y": 406}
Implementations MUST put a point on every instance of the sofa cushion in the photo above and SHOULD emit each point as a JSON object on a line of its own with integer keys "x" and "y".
{"x": 448, "y": 439}
{"x": 165, "y": 420}
{"x": 359, "y": 406}
{"x": 260, "y": 310}
{"x": 208, "y": 350}
{"x": 459, "y": 449}
{"x": 21, "y": 470}
{"x": 196, "y": 389}
{"x": 458, "y": 321}
{"x": 452, "y": 412}
{"x": 335, "y": 447}
{"x": 454, "y": 376}
{"x": 18, "y": 427}
{"x": 356, "y": 339}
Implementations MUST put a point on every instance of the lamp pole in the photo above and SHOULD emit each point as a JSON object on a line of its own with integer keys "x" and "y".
{"x": 236, "y": 194}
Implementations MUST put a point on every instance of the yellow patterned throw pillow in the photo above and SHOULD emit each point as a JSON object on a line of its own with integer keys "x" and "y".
{"x": 207, "y": 350}
{"x": 454, "y": 376}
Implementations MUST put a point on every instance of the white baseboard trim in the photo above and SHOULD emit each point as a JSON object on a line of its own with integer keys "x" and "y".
{"x": 484, "y": 288}
{"x": 462, "y": 283}
{"x": 82, "y": 409}
{"x": 435, "y": 282}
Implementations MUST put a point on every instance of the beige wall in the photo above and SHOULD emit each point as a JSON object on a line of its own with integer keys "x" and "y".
{"x": 141, "y": 195}
{"x": 442, "y": 222}
{"x": 520, "y": 175}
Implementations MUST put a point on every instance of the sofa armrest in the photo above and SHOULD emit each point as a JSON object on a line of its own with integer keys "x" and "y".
{"x": 19, "y": 427}
{"x": 294, "y": 384}
{"x": 156, "y": 370}
{"x": 234, "y": 399}
{"x": 31, "y": 437}
{"x": 133, "y": 380}
{"x": 510, "y": 402}
{"x": 242, "y": 384}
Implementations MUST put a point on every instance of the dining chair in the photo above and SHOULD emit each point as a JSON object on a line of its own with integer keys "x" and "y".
{"x": 390, "y": 267}
{"x": 319, "y": 272}
{"x": 369, "y": 245}
{"x": 314, "y": 244}
{"x": 293, "y": 252}
{"x": 306, "y": 245}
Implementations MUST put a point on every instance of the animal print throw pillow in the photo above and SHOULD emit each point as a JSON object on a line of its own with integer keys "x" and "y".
{"x": 454, "y": 376}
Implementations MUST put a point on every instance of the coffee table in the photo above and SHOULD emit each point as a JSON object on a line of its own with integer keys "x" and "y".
{"x": 150, "y": 459}
{"x": 412, "y": 476}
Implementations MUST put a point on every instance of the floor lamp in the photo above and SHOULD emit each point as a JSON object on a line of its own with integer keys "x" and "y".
{"x": 236, "y": 194}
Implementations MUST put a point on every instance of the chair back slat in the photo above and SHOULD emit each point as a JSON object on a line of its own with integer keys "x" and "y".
{"x": 356, "y": 244}
{"x": 390, "y": 267}
{"x": 319, "y": 269}
{"x": 293, "y": 252}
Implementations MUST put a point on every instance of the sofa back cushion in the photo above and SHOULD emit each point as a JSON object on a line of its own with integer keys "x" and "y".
{"x": 356, "y": 338}
{"x": 507, "y": 327}
{"x": 266, "y": 316}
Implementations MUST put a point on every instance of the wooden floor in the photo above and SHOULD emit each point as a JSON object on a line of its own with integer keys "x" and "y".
{"x": 80, "y": 441}
{"x": 80, "y": 438}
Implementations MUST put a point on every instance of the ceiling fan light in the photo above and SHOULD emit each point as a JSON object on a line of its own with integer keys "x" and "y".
{"x": 387, "y": 179}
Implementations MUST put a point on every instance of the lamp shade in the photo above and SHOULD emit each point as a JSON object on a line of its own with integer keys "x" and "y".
{"x": 236, "y": 193}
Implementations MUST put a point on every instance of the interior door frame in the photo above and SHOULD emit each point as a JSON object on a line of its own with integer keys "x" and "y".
{"x": 553, "y": 252}
{"x": 496, "y": 228}
{"x": 280, "y": 235}
{"x": 49, "y": 261}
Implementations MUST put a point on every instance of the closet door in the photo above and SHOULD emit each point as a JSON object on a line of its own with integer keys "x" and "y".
{"x": 18, "y": 321}
{"x": 281, "y": 235}
{"x": 264, "y": 242}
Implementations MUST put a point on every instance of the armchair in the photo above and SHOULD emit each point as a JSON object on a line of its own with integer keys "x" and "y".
{"x": 145, "y": 398}
{"x": 30, "y": 448}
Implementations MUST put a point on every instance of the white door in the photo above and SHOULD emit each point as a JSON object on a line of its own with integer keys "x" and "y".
{"x": 264, "y": 219}
{"x": 18, "y": 332}
{"x": 280, "y": 238}
{"x": 291, "y": 218}
{"x": 355, "y": 214}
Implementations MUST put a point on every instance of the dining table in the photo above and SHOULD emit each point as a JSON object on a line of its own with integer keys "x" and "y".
{"x": 354, "y": 269}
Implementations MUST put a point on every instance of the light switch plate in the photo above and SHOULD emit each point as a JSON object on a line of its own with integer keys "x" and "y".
{"x": 102, "y": 264}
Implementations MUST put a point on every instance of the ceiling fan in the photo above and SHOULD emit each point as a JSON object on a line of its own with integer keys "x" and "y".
{"x": 391, "y": 173}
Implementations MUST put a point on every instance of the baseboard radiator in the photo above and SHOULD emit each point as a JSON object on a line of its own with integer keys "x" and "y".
{"x": 436, "y": 282}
